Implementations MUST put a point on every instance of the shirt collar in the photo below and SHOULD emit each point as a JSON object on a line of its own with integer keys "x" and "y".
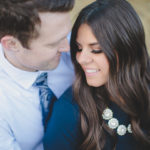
{"x": 21, "y": 77}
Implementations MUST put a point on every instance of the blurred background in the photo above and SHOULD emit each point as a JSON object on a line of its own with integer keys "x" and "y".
{"x": 142, "y": 7}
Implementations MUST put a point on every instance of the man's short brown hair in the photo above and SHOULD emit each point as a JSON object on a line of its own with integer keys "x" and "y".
{"x": 19, "y": 17}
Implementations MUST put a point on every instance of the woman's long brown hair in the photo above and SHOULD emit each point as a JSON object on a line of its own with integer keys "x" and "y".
{"x": 120, "y": 33}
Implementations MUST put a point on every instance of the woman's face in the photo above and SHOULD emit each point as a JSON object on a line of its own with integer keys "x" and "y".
{"x": 91, "y": 57}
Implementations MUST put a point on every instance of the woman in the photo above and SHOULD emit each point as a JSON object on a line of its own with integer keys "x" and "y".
{"x": 112, "y": 77}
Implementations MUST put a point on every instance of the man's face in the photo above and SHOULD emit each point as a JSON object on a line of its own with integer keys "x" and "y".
{"x": 44, "y": 52}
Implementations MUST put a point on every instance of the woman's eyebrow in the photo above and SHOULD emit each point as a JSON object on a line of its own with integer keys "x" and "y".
{"x": 93, "y": 44}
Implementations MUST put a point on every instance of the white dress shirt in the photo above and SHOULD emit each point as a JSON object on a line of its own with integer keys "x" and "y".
{"x": 21, "y": 125}
{"x": 62, "y": 77}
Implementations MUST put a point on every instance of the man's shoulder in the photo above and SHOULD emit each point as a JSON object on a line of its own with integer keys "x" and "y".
{"x": 4, "y": 106}
{"x": 7, "y": 85}
{"x": 4, "y": 78}
{"x": 8, "y": 90}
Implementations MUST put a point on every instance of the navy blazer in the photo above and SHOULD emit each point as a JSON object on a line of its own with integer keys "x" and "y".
{"x": 63, "y": 129}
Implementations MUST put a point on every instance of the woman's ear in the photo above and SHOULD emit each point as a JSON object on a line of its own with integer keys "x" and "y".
{"x": 10, "y": 43}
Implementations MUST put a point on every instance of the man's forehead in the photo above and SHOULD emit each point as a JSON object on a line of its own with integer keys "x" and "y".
{"x": 54, "y": 26}
{"x": 55, "y": 20}
{"x": 54, "y": 16}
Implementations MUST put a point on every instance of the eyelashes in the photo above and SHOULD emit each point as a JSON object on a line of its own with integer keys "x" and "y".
{"x": 79, "y": 50}
{"x": 97, "y": 51}
{"x": 92, "y": 51}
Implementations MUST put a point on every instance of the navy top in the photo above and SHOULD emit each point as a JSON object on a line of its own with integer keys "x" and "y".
{"x": 64, "y": 131}
{"x": 124, "y": 142}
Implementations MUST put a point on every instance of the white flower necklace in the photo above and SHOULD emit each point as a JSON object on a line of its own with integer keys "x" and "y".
{"x": 113, "y": 123}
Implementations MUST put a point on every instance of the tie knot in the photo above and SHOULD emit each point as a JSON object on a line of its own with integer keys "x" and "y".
{"x": 45, "y": 93}
{"x": 41, "y": 80}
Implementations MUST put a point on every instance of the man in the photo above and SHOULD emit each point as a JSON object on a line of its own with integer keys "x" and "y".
{"x": 33, "y": 33}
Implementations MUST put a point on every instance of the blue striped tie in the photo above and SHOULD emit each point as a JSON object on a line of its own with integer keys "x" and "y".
{"x": 45, "y": 94}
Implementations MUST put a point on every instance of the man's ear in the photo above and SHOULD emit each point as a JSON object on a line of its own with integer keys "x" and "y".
{"x": 10, "y": 43}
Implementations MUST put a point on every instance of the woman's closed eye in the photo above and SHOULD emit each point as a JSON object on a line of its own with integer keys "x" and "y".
{"x": 92, "y": 51}
{"x": 97, "y": 51}
{"x": 79, "y": 49}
